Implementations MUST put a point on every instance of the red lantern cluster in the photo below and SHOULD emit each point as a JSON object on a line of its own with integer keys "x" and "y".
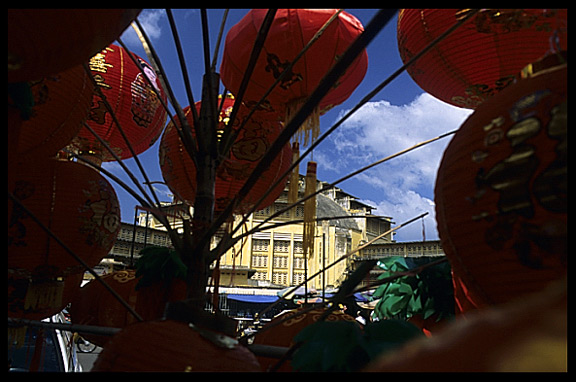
{"x": 501, "y": 190}
{"x": 290, "y": 32}
{"x": 481, "y": 57}
{"x": 135, "y": 103}
{"x": 251, "y": 144}
{"x": 42, "y": 42}
{"x": 162, "y": 346}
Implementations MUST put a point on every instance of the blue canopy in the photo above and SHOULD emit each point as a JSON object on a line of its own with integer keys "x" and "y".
{"x": 252, "y": 298}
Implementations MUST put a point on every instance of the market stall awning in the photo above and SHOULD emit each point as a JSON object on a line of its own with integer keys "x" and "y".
{"x": 259, "y": 299}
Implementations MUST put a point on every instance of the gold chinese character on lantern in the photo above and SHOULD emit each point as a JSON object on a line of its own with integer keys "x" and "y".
{"x": 98, "y": 62}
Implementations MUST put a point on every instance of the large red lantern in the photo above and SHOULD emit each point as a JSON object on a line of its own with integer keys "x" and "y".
{"x": 95, "y": 305}
{"x": 61, "y": 103}
{"x": 481, "y": 57}
{"x": 290, "y": 32}
{"x": 162, "y": 346}
{"x": 251, "y": 144}
{"x": 501, "y": 190}
{"x": 135, "y": 103}
{"x": 75, "y": 202}
{"x": 43, "y": 42}
{"x": 284, "y": 327}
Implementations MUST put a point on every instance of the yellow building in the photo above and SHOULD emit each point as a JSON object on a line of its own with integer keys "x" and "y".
{"x": 275, "y": 253}
{"x": 273, "y": 256}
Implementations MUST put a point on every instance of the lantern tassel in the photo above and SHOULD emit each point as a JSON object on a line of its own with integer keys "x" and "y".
{"x": 44, "y": 294}
{"x": 293, "y": 186}
{"x": 310, "y": 129}
{"x": 309, "y": 211}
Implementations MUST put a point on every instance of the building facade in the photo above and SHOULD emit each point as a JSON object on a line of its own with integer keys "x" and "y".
{"x": 273, "y": 255}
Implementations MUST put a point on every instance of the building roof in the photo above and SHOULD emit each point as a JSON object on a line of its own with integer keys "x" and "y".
{"x": 326, "y": 207}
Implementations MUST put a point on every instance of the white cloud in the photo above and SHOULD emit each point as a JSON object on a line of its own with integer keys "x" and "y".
{"x": 150, "y": 21}
{"x": 405, "y": 184}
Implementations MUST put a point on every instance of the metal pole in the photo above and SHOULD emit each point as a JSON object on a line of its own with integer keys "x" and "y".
{"x": 133, "y": 237}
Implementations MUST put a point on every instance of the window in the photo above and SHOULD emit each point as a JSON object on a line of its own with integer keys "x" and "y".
{"x": 297, "y": 278}
{"x": 260, "y": 276}
{"x": 280, "y": 278}
{"x": 260, "y": 245}
{"x": 280, "y": 262}
{"x": 260, "y": 261}
{"x": 298, "y": 262}
{"x": 299, "y": 211}
{"x": 298, "y": 247}
{"x": 281, "y": 246}
{"x": 278, "y": 207}
{"x": 264, "y": 212}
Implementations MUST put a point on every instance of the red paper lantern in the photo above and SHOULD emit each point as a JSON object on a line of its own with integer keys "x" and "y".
{"x": 481, "y": 57}
{"x": 290, "y": 32}
{"x": 95, "y": 305}
{"x": 42, "y": 42}
{"x": 61, "y": 104}
{"x": 164, "y": 346}
{"x": 284, "y": 328}
{"x": 20, "y": 304}
{"x": 251, "y": 144}
{"x": 501, "y": 190}
{"x": 75, "y": 202}
{"x": 134, "y": 102}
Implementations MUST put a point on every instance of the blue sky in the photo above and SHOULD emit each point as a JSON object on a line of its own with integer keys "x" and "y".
{"x": 398, "y": 117}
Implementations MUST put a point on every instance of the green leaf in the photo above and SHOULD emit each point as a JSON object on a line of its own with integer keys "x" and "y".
{"x": 415, "y": 304}
{"x": 159, "y": 264}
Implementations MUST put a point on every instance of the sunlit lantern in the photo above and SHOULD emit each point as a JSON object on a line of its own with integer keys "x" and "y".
{"x": 252, "y": 142}
{"x": 290, "y": 32}
{"x": 501, "y": 190}
{"x": 134, "y": 102}
{"x": 481, "y": 57}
